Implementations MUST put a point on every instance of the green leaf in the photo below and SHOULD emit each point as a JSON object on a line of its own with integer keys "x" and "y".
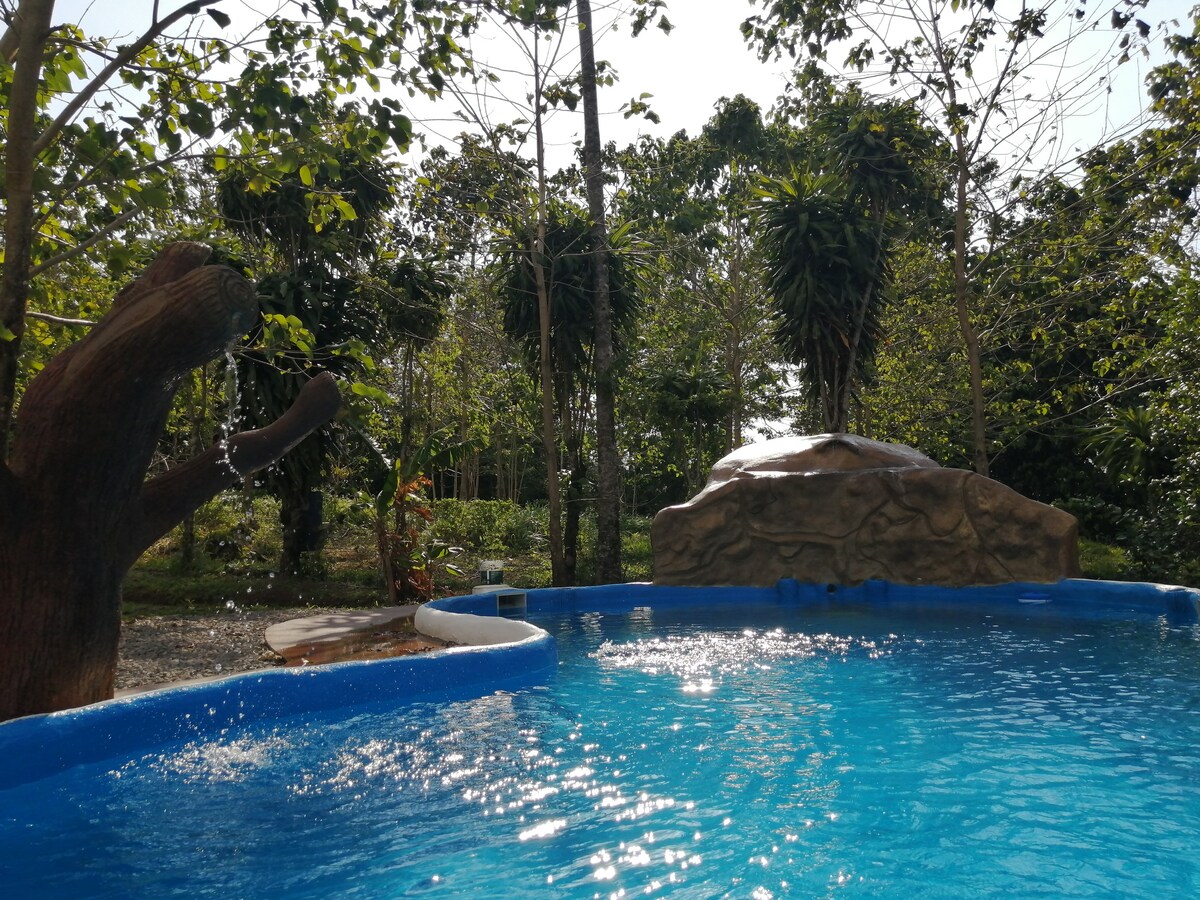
{"x": 306, "y": 176}
{"x": 369, "y": 392}
{"x": 289, "y": 161}
{"x": 383, "y": 500}
{"x": 219, "y": 17}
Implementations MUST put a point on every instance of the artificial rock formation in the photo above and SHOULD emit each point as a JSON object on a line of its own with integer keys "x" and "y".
{"x": 841, "y": 509}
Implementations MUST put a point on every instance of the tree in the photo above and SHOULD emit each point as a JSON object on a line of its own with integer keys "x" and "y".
{"x": 536, "y": 242}
{"x": 826, "y": 274}
{"x": 608, "y": 505}
{"x": 739, "y": 148}
{"x": 87, "y": 425}
{"x": 920, "y": 393}
{"x": 827, "y": 235}
{"x": 1080, "y": 283}
{"x": 77, "y": 510}
{"x": 315, "y": 287}
{"x": 454, "y": 209}
{"x": 23, "y": 42}
{"x": 680, "y": 409}
{"x": 87, "y": 154}
{"x": 543, "y": 19}
{"x": 964, "y": 62}
{"x": 1087, "y": 293}
{"x": 569, "y": 265}
{"x": 692, "y": 198}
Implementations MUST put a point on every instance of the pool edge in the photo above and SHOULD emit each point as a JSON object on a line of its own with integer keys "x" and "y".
{"x": 498, "y": 653}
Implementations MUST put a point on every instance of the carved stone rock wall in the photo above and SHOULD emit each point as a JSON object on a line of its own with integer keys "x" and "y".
{"x": 840, "y": 509}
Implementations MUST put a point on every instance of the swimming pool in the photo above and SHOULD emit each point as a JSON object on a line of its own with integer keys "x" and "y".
{"x": 690, "y": 742}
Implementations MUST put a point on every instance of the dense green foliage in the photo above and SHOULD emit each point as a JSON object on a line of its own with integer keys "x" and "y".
{"x": 844, "y": 261}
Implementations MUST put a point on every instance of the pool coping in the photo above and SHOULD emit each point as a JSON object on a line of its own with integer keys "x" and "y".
{"x": 331, "y": 626}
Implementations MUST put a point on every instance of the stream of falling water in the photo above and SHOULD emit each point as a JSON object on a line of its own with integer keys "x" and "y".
{"x": 232, "y": 403}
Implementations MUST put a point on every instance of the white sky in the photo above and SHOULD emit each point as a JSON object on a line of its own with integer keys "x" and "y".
{"x": 703, "y": 59}
{"x": 686, "y": 72}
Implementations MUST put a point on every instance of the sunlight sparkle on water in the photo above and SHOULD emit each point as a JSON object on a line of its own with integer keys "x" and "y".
{"x": 702, "y": 659}
{"x": 211, "y": 761}
{"x": 543, "y": 830}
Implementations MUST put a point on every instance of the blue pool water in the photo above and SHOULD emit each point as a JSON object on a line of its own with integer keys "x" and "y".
{"x": 750, "y": 750}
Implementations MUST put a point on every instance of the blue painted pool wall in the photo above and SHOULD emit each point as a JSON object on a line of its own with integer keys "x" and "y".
{"x": 37, "y": 746}
{"x": 1069, "y": 597}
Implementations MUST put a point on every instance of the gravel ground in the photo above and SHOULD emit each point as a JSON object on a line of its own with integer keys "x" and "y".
{"x": 158, "y": 650}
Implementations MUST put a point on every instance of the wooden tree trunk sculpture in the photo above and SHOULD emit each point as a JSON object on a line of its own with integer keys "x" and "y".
{"x": 76, "y": 510}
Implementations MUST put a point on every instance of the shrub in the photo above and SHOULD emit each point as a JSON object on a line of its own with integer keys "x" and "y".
{"x": 1099, "y": 520}
{"x": 1103, "y": 561}
{"x": 498, "y": 528}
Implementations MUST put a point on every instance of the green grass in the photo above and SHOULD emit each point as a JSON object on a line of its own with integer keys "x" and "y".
{"x": 147, "y": 591}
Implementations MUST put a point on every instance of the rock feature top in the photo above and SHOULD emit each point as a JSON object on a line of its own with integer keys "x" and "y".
{"x": 816, "y": 453}
{"x": 842, "y": 509}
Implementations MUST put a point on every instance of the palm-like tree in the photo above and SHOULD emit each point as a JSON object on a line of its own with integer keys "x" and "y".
{"x": 825, "y": 234}
{"x": 827, "y": 274}
{"x": 1130, "y": 446}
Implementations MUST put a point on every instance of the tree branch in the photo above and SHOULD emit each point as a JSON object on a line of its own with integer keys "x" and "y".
{"x": 96, "y": 238}
{"x": 128, "y": 53}
{"x": 100, "y": 410}
{"x": 10, "y": 41}
{"x": 56, "y": 320}
{"x": 34, "y": 19}
{"x": 169, "y": 497}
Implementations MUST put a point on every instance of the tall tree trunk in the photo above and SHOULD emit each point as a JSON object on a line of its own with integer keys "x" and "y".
{"x": 575, "y": 415}
{"x": 577, "y": 470}
{"x": 76, "y": 510}
{"x": 30, "y": 28}
{"x": 463, "y": 482}
{"x": 545, "y": 364}
{"x": 962, "y": 303}
{"x": 860, "y": 320}
{"x": 301, "y": 517}
{"x": 384, "y": 549}
{"x": 608, "y": 482}
{"x": 827, "y": 390}
{"x": 733, "y": 338}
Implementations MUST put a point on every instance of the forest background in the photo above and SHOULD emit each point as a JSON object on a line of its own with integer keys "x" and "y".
{"x": 925, "y": 238}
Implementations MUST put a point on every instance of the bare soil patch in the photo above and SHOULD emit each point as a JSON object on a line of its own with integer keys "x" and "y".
{"x": 159, "y": 650}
